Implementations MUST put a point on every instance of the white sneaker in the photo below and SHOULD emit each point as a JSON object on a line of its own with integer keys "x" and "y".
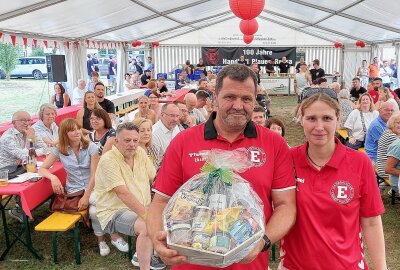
{"x": 120, "y": 244}
{"x": 104, "y": 249}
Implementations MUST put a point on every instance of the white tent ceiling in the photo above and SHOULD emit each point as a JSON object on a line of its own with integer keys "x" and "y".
{"x": 159, "y": 20}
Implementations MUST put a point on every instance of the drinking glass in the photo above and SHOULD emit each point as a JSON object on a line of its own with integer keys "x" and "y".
{"x": 3, "y": 178}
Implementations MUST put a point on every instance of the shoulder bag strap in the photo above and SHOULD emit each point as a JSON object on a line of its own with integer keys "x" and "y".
{"x": 363, "y": 123}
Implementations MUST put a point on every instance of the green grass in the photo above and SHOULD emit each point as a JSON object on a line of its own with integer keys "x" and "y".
{"x": 281, "y": 107}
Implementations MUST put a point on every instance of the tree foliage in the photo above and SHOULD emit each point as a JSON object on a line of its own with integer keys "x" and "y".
{"x": 8, "y": 58}
{"x": 38, "y": 52}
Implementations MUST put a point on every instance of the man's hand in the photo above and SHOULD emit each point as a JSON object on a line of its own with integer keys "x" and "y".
{"x": 254, "y": 253}
{"x": 30, "y": 133}
{"x": 169, "y": 256}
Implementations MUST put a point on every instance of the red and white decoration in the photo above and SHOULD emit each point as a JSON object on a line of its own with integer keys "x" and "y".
{"x": 247, "y": 10}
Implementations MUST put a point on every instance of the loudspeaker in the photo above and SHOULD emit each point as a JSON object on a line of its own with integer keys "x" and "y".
{"x": 56, "y": 71}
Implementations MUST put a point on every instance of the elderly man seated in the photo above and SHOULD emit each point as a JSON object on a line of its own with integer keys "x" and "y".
{"x": 14, "y": 148}
{"x": 191, "y": 102}
{"x": 123, "y": 178}
{"x": 78, "y": 93}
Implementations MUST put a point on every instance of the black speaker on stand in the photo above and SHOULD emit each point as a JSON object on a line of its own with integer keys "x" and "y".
{"x": 56, "y": 71}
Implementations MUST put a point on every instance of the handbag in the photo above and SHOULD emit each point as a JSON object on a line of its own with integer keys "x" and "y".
{"x": 68, "y": 203}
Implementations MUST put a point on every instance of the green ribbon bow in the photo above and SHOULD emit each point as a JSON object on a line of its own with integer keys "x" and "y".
{"x": 214, "y": 175}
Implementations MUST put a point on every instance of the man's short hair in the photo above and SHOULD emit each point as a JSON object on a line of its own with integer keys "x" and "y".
{"x": 378, "y": 79}
{"x": 258, "y": 108}
{"x": 161, "y": 79}
{"x": 166, "y": 105}
{"x": 356, "y": 79}
{"x": 316, "y": 62}
{"x": 201, "y": 94}
{"x": 236, "y": 72}
{"x": 99, "y": 83}
{"x": 95, "y": 74}
{"x": 126, "y": 126}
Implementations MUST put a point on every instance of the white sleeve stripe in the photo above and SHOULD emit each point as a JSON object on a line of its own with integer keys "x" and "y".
{"x": 160, "y": 193}
{"x": 284, "y": 189}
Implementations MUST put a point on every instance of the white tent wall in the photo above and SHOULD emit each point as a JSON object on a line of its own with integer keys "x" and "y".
{"x": 122, "y": 67}
{"x": 352, "y": 61}
{"x": 227, "y": 33}
{"x": 75, "y": 58}
{"x": 397, "y": 48}
{"x": 167, "y": 58}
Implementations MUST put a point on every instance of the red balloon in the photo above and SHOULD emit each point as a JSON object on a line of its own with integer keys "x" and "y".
{"x": 362, "y": 44}
{"x": 138, "y": 43}
{"x": 248, "y": 27}
{"x": 246, "y": 9}
{"x": 155, "y": 43}
{"x": 248, "y": 38}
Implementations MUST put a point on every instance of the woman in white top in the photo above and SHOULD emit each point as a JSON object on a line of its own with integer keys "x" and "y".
{"x": 386, "y": 96}
{"x": 358, "y": 121}
{"x": 128, "y": 82}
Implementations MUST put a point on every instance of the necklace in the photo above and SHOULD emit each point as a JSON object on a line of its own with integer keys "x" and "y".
{"x": 318, "y": 166}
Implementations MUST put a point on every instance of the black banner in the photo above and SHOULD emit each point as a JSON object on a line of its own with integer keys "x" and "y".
{"x": 221, "y": 56}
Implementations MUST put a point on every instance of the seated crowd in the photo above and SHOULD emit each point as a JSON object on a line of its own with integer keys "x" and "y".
{"x": 116, "y": 166}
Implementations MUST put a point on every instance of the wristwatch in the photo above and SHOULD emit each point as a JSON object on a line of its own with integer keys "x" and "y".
{"x": 267, "y": 243}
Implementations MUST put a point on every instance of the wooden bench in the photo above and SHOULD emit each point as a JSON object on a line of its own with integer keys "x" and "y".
{"x": 342, "y": 134}
{"x": 127, "y": 110}
{"x": 58, "y": 223}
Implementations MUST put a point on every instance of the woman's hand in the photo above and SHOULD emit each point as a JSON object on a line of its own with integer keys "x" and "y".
{"x": 352, "y": 140}
{"x": 83, "y": 202}
{"x": 56, "y": 185}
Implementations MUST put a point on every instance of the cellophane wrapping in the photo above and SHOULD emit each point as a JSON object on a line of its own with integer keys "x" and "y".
{"x": 216, "y": 218}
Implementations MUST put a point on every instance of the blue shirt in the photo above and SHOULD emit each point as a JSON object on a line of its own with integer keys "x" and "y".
{"x": 394, "y": 151}
{"x": 78, "y": 172}
{"x": 374, "y": 132}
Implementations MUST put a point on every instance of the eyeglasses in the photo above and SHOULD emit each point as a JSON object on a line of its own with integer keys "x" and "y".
{"x": 24, "y": 120}
{"x": 172, "y": 115}
{"x": 96, "y": 119}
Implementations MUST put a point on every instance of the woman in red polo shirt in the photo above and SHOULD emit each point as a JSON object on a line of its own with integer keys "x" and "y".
{"x": 338, "y": 199}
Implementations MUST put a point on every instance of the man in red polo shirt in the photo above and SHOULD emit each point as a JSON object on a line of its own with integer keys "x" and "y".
{"x": 230, "y": 128}
{"x": 376, "y": 84}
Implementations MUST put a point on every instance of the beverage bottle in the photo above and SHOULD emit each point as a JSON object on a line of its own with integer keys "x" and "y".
{"x": 31, "y": 162}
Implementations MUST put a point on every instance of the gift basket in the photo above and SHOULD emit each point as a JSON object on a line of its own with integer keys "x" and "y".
{"x": 216, "y": 218}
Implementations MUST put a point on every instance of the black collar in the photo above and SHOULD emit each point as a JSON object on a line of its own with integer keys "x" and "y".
{"x": 211, "y": 133}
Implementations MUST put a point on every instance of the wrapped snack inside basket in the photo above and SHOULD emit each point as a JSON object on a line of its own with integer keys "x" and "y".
{"x": 216, "y": 218}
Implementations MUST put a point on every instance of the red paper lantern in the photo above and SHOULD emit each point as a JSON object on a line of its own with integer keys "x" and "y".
{"x": 248, "y": 27}
{"x": 248, "y": 38}
{"x": 136, "y": 43}
{"x": 246, "y": 9}
{"x": 338, "y": 45}
{"x": 360, "y": 43}
{"x": 155, "y": 44}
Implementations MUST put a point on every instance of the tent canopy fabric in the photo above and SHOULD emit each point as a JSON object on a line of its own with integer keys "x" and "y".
{"x": 344, "y": 21}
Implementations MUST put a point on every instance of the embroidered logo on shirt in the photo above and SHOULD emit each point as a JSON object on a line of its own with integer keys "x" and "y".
{"x": 256, "y": 155}
{"x": 342, "y": 192}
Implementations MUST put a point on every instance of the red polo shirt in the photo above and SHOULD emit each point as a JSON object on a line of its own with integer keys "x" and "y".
{"x": 273, "y": 168}
{"x": 330, "y": 202}
{"x": 375, "y": 94}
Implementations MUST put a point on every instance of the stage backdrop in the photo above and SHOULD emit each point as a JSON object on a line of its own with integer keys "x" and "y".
{"x": 220, "y": 56}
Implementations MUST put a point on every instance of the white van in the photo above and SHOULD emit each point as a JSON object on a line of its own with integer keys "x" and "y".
{"x": 30, "y": 67}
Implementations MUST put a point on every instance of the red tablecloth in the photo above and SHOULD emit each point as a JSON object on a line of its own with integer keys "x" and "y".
{"x": 67, "y": 112}
{"x": 33, "y": 194}
{"x": 180, "y": 94}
